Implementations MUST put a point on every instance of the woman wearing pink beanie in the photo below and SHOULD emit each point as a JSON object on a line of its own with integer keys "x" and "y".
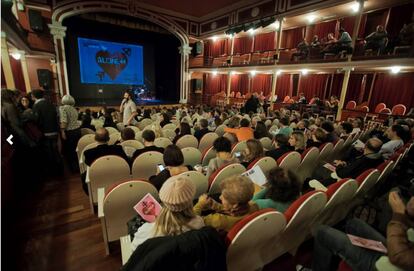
{"x": 177, "y": 214}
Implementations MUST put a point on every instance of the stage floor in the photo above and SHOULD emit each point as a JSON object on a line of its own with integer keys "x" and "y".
{"x": 117, "y": 102}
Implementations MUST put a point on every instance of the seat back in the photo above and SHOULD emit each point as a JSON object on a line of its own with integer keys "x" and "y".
{"x": 83, "y": 142}
{"x": 336, "y": 150}
{"x": 307, "y": 165}
{"x": 207, "y": 141}
{"x": 220, "y": 174}
{"x": 286, "y": 99}
{"x": 266, "y": 143}
{"x": 86, "y": 131}
{"x": 118, "y": 205}
{"x": 170, "y": 126}
{"x": 114, "y": 137}
{"x": 144, "y": 123}
{"x": 170, "y": 134}
{"x": 350, "y": 105}
{"x": 265, "y": 163}
{"x": 220, "y": 130}
{"x": 207, "y": 155}
{"x": 399, "y": 110}
{"x": 238, "y": 147}
{"x": 134, "y": 128}
{"x": 385, "y": 168}
{"x": 290, "y": 161}
{"x": 246, "y": 248}
{"x": 364, "y": 108}
{"x": 138, "y": 136}
{"x": 145, "y": 165}
{"x": 105, "y": 171}
{"x": 199, "y": 179}
{"x": 132, "y": 143}
{"x": 162, "y": 142}
{"x": 187, "y": 141}
{"x": 192, "y": 156}
{"x": 380, "y": 107}
{"x": 82, "y": 166}
{"x": 325, "y": 151}
{"x": 386, "y": 111}
{"x": 366, "y": 182}
{"x": 111, "y": 130}
{"x": 120, "y": 126}
{"x": 230, "y": 137}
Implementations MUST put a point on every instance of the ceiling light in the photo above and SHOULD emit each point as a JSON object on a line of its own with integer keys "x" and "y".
{"x": 276, "y": 24}
{"x": 232, "y": 73}
{"x": 214, "y": 38}
{"x": 395, "y": 69}
{"x": 278, "y": 72}
{"x": 251, "y": 31}
{"x": 252, "y": 73}
{"x": 311, "y": 18}
{"x": 16, "y": 55}
{"x": 304, "y": 71}
{"x": 215, "y": 73}
{"x": 355, "y": 6}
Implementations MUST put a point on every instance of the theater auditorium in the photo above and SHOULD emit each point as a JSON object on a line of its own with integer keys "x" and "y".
{"x": 239, "y": 135}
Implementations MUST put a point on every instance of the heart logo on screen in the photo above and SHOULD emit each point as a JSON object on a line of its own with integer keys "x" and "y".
{"x": 112, "y": 64}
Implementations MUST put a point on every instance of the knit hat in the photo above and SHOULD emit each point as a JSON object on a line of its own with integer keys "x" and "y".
{"x": 177, "y": 194}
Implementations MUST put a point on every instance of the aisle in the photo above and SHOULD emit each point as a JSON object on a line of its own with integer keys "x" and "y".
{"x": 62, "y": 234}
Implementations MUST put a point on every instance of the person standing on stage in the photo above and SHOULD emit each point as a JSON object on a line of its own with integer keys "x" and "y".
{"x": 128, "y": 109}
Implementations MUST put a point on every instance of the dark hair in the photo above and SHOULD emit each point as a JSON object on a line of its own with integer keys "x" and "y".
{"x": 398, "y": 129}
{"x": 341, "y": 30}
{"x": 327, "y": 126}
{"x": 148, "y": 135}
{"x": 261, "y": 130}
{"x": 203, "y": 123}
{"x": 102, "y": 135}
{"x": 173, "y": 156}
{"x": 166, "y": 117}
{"x": 147, "y": 114}
{"x": 185, "y": 128}
{"x": 244, "y": 123}
{"x": 86, "y": 120}
{"x": 320, "y": 135}
{"x": 284, "y": 121}
{"x": 38, "y": 93}
{"x": 127, "y": 134}
{"x": 281, "y": 139}
{"x": 372, "y": 147}
{"x": 284, "y": 185}
{"x": 222, "y": 144}
{"x": 347, "y": 127}
{"x": 95, "y": 115}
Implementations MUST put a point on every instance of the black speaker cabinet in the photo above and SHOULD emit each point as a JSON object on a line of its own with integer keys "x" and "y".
{"x": 44, "y": 77}
{"x": 36, "y": 20}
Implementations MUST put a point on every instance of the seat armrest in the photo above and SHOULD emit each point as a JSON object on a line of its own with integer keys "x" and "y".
{"x": 126, "y": 249}
{"x": 101, "y": 196}
{"x": 87, "y": 175}
{"x": 317, "y": 185}
{"x": 335, "y": 176}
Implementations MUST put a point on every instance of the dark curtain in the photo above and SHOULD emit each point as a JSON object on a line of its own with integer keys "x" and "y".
{"x": 264, "y": 42}
{"x": 373, "y": 20}
{"x": 284, "y": 86}
{"x": 262, "y": 82}
{"x": 313, "y": 85}
{"x": 361, "y": 32}
{"x": 348, "y": 23}
{"x": 323, "y": 29}
{"x": 217, "y": 48}
{"x": 242, "y": 45}
{"x": 239, "y": 83}
{"x": 17, "y": 71}
{"x": 338, "y": 79}
{"x": 291, "y": 37}
{"x": 399, "y": 16}
{"x": 368, "y": 82}
{"x": 354, "y": 87}
{"x": 215, "y": 83}
{"x": 393, "y": 89}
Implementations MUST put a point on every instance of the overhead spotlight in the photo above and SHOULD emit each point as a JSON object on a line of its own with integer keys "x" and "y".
{"x": 395, "y": 69}
{"x": 276, "y": 24}
{"x": 16, "y": 55}
{"x": 278, "y": 72}
{"x": 214, "y": 73}
{"x": 214, "y": 38}
{"x": 232, "y": 73}
{"x": 253, "y": 73}
{"x": 311, "y": 18}
{"x": 355, "y": 6}
{"x": 304, "y": 71}
{"x": 251, "y": 31}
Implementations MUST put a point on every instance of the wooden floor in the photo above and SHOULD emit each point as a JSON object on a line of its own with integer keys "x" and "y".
{"x": 59, "y": 232}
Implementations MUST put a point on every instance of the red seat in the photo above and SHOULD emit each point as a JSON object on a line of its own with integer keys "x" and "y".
{"x": 350, "y": 105}
{"x": 289, "y": 160}
{"x": 399, "y": 110}
{"x": 380, "y": 107}
{"x": 220, "y": 174}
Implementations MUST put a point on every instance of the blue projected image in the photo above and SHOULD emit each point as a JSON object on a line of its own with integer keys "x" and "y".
{"x": 103, "y": 62}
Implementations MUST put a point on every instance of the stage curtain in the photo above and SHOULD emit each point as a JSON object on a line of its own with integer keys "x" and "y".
{"x": 284, "y": 86}
{"x": 362, "y": 25}
{"x": 239, "y": 82}
{"x": 393, "y": 89}
{"x": 264, "y": 42}
{"x": 399, "y": 16}
{"x": 313, "y": 85}
{"x": 242, "y": 45}
{"x": 354, "y": 87}
{"x": 217, "y": 48}
{"x": 348, "y": 23}
{"x": 292, "y": 37}
{"x": 262, "y": 82}
{"x": 338, "y": 79}
{"x": 17, "y": 71}
{"x": 214, "y": 84}
{"x": 323, "y": 29}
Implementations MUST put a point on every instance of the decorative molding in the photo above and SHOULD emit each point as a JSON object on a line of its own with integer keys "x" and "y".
{"x": 57, "y": 30}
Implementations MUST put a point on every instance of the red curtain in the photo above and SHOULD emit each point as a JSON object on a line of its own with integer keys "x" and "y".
{"x": 399, "y": 16}
{"x": 284, "y": 86}
{"x": 217, "y": 48}
{"x": 313, "y": 85}
{"x": 348, "y": 23}
{"x": 242, "y": 45}
{"x": 336, "y": 85}
{"x": 262, "y": 82}
{"x": 17, "y": 71}
{"x": 373, "y": 20}
{"x": 239, "y": 83}
{"x": 323, "y": 29}
{"x": 264, "y": 42}
{"x": 215, "y": 83}
{"x": 354, "y": 87}
{"x": 291, "y": 37}
{"x": 361, "y": 32}
{"x": 393, "y": 89}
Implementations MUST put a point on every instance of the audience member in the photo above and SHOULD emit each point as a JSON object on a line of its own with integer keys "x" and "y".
{"x": 345, "y": 129}
{"x": 318, "y": 137}
{"x": 344, "y": 43}
{"x": 86, "y": 122}
{"x": 164, "y": 119}
{"x": 329, "y": 44}
{"x": 253, "y": 151}
{"x": 315, "y": 43}
{"x": 127, "y": 134}
{"x": 302, "y": 50}
{"x": 242, "y": 133}
{"x": 203, "y": 129}
{"x": 394, "y": 133}
{"x": 297, "y": 141}
{"x": 128, "y": 109}
{"x": 222, "y": 146}
{"x": 96, "y": 121}
{"x": 281, "y": 144}
{"x": 331, "y": 136}
{"x": 148, "y": 137}
{"x": 261, "y": 131}
{"x": 184, "y": 129}
{"x": 377, "y": 40}
{"x": 284, "y": 127}
{"x": 282, "y": 188}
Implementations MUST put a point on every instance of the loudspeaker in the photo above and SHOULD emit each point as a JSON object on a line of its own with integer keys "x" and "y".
{"x": 44, "y": 77}
{"x": 36, "y": 20}
{"x": 197, "y": 48}
{"x": 196, "y": 84}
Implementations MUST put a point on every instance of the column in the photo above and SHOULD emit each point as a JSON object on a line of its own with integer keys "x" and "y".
{"x": 59, "y": 32}
{"x": 358, "y": 18}
{"x": 5, "y": 62}
{"x": 228, "y": 87}
{"x": 343, "y": 92}
{"x": 249, "y": 87}
{"x": 274, "y": 85}
{"x": 185, "y": 51}
{"x": 279, "y": 38}
{"x": 232, "y": 48}
{"x": 25, "y": 71}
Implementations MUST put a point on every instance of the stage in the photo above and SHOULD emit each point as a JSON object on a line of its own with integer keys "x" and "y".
{"x": 117, "y": 102}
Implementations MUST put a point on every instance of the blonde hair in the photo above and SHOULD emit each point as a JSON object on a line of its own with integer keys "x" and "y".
{"x": 300, "y": 140}
{"x": 237, "y": 189}
{"x": 169, "y": 223}
{"x": 255, "y": 149}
